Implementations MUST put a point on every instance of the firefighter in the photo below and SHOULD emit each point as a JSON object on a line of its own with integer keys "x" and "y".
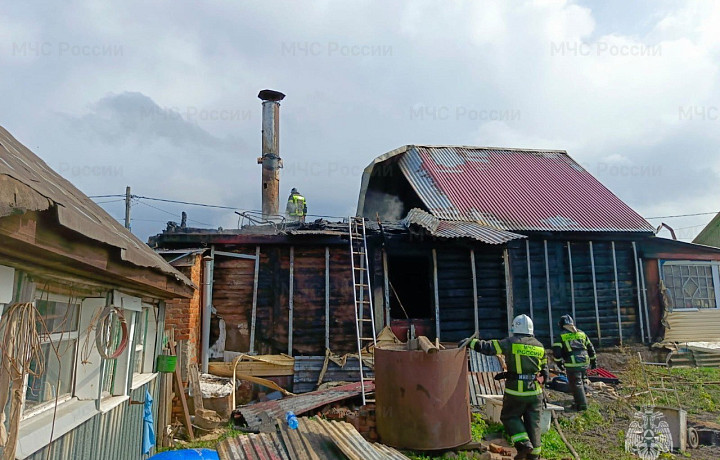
{"x": 573, "y": 353}
{"x": 526, "y": 372}
{"x": 296, "y": 209}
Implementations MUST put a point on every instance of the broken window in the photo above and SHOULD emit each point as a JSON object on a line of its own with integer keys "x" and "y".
{"x": 691, "y": 285}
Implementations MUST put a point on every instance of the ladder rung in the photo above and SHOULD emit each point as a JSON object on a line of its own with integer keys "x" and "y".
{"x": 358, "y": 252}
{"x": 364, "y": 319}
{"x": 361, "y": 285}
{"x": 367, "y": 338}
{"x": 363, "y": 301}
{"x": 359, "y": 268}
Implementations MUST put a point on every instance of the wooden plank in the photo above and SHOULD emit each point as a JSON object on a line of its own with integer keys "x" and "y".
{"x": 509, "y": 302}
{"x": 194, "y": 379}
{"x": 181, "y": 394}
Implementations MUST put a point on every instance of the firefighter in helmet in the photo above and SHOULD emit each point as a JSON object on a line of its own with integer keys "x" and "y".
{"x": 525, "y": 375}
{"x": 296, "y": 208}
{"x": 573, "y": 354}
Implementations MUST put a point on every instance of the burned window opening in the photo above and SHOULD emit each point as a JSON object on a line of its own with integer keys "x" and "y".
{"x": 411, "y": 280}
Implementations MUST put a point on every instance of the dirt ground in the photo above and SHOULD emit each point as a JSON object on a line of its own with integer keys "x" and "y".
{"x": 600, "y": 433}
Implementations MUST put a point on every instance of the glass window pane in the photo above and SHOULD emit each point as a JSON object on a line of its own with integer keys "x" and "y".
{"x": 57, "y": 378}
{"x": 58, "y": 316}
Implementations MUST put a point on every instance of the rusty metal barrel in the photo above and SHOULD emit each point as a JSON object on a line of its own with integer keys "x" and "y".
{"x": 422, "y": 399}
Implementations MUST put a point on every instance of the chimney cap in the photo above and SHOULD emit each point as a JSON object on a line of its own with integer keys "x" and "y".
{"x": 271, "y": 95}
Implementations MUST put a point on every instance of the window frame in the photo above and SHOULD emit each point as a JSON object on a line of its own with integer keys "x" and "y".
{"x": 715, "y": 276}
{"x": 57, "y": 338}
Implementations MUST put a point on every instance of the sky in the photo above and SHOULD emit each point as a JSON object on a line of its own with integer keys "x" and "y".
{"x": 161, "y": 95}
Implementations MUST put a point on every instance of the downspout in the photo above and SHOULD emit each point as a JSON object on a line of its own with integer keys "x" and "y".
{"x": 207, "y": 308}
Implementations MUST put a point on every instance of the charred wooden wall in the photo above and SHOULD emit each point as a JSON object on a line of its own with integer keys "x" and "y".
{"x": 558, "y": 265}
{"x": 455, "y": 292}
{"x": 233, "y": 291}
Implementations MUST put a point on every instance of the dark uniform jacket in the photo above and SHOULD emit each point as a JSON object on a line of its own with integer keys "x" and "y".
{"x": 574, "y": 350}
{"x": 524, "y": 357}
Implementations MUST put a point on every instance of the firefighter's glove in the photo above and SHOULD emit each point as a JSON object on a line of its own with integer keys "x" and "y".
{"x": 545, "y": 374}
{"x": 593, "y": 364}
{"x": 470, "y": 343}
{"x": 500, "y": 376}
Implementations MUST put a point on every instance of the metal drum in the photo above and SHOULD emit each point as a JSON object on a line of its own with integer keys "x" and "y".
{"x": 422, "y": 399}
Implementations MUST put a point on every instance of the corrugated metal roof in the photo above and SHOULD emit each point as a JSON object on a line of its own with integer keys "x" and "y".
{"x": 260, "y": 414}
{"x": 313, "y": 439}
{"x": 29, "y": 184}
{"x": 458, "y": 229}
{"x": 510, "y": 189}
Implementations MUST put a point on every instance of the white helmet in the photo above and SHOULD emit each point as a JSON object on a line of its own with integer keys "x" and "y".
{"x": 522, "y": 324}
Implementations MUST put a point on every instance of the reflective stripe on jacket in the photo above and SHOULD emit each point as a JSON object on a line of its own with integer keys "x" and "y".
{"x": 574, "y": 349}
{"x": 296, "y": 205}
{"x": 525, "y": 358}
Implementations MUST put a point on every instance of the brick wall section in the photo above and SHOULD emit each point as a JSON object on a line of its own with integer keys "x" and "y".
{"x": 184, "y": 315}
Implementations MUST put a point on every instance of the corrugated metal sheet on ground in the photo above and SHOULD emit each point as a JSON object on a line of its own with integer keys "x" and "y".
{"x": 313, "y": 440}
{"x": 700, "y": 354}
{"x": 512, "y": 189}
{"x": 307, "y": 371}
{"x": 693, "y": 326}
{"x": 456, "y": 229}
{"x": 262, "y": 415}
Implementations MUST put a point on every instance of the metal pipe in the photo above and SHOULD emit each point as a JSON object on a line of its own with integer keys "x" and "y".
{"x": 617, "y": 293}
{"x": 509, "y": 302}
{"x": 290, "y": 300}
{"x": 637, "y": 284}
{"x": 253, "y": 319}
{"x": 327, "y": 298}
{"x": 594, "y": 280}
{"x": 572, "y": 282}
{"x": 475, "y": 294}
{"x": 549, "y": 299}
{"x": 207, "y": 309}
{"x": 386, "y": 280}
{"x": 437, "y": 295}
{"x": 530, "y": 296}
{"x": 644, "y": 291}
{"x": 270, "y": 160}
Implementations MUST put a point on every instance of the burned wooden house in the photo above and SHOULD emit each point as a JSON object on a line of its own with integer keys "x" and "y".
{"x": 460, "y": 239}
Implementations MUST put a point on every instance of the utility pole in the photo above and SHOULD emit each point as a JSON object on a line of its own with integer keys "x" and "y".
{"x": 127, "y": 207}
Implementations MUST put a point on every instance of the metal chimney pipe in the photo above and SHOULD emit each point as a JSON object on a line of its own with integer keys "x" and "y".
{"x": 270, "y": 159}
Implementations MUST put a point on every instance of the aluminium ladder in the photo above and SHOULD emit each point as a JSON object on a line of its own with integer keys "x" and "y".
{"x": 362, "y": 294}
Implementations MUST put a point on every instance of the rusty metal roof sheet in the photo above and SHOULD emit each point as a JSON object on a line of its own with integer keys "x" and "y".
{"x": 313, "y": 439}
{"x": 458, "y": 229}
{"x": 510, "y": 189}
{"x": 262, "y": 415}
{"x": 28, "y": 184}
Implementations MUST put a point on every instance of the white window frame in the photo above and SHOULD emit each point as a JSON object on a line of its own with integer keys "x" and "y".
{"x": 55, "y": 338}
{"x": 715, "y": 267}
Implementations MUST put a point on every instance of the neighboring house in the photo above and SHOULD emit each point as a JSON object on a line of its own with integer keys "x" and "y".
{"x": 710, "y": 235}
{"x": 61, "y": 251}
